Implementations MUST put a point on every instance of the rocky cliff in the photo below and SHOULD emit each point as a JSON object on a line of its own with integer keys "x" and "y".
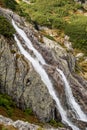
{"x": 19, "y": 79}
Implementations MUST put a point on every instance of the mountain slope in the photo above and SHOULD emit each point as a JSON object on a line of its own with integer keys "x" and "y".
{"x": 35, "y": 74}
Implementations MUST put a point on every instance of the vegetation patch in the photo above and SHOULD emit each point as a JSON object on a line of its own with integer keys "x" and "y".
{"x": 11, "y": 4}
{"x": 50, "y": 14}
{"x": 59, "y": 15}
{"x": 9, "y": 109}
{"x": 7, "y": 103}
{"x": 56, "y": 124}
{"x": 6, "y": 28}
{"x": 28, "y": 111}
{"x": 77, "y": 30}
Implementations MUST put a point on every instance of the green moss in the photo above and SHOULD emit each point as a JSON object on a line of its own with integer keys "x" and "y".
{"x": 55, "y": 123}
{"x": 6, "y": 28}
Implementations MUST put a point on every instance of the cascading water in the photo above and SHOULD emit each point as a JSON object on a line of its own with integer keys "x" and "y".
{"x": 36, "y": 64}
{"x": 28, "y": 43}
{"x": 47, "y": 82}
{"x": 71, "y": 100}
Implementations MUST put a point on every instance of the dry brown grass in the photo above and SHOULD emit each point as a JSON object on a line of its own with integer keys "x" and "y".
{"x": 7, "y": 127}
{"x": 20, "y": 115}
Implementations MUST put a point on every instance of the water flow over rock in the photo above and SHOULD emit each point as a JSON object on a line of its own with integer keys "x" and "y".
{"x": 28, "y": 43}
{"x": 71, "y": 100}
{"x": 39, "y": 69}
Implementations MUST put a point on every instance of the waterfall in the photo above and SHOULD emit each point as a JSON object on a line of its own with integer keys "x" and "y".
{"x": 44, "y": 77}
{"x": 71, "y": 100}
{"x": 28, "y": 43}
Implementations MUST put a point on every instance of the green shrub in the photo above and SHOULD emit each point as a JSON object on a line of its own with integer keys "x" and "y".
{"x": 77, "y": 30}
{"x": 28, "y": 111}
{"x": 55, "y": 123}
{"x": 6, "y": 28}
{"x": 10, "y": 4}
{"x": 7, "y": 103}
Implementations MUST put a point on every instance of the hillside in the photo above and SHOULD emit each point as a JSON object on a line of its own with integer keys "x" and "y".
{"x": 62, "y": 15}
{"x": 62, "y": 18}
{"x": 43, "y": 64}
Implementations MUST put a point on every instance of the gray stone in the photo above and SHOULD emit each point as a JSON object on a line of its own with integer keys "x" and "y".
{"x": 22, "y": 83}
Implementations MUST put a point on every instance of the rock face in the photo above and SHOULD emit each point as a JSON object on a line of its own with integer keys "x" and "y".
{"x": 19, "y": 79}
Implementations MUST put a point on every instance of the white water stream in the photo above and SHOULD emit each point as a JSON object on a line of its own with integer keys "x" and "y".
{"x": 39, "y": 69}
{"x": 71, "y": 100}
{"x": 28, "y": 43}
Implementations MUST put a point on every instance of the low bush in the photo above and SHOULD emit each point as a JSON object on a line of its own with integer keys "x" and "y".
{"x": 77, "y": 30}
{"x": 6, "y": 28}
{"x": 12, "y": 4}
{"x": 7, "y": 103}
{"x": 28, "y": 111}
{"x": 55, "y": 123}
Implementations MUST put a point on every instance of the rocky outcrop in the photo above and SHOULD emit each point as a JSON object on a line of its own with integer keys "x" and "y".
{"x": 21, "y": 125}
{"x": 19, "y": 80}
{"x": 66, "y": 62}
